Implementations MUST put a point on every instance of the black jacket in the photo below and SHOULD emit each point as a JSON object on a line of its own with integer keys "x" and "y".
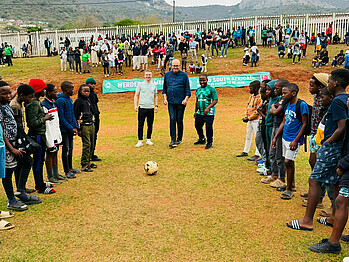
{"x": 83, "y": 110}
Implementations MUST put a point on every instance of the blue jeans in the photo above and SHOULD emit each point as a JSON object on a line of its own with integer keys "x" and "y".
{"x": 224, "y": 47}
{"x": 200, "y": 120}
{"x": 213, "y": 47}
{"x": 176, "y": 112}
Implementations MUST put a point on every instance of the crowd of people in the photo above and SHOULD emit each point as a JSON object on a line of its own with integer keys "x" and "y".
{"x": 53, "y": 120}
{"x": 281, "y": 123}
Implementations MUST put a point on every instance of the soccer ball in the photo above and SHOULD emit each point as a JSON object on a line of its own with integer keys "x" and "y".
{"x": 151, "y": 168}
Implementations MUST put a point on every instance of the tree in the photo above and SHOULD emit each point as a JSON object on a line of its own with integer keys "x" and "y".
{"x": 87, "y": 21}
{"x": 12, "y": 28}
{"x": 31, "y": 29}
{"x": 127, "y": 22}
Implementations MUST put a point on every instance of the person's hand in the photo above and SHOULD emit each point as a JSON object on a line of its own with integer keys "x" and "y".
{"x": 245, "y": 119}
{"x": 195, "y": 114}
{"x": 165, "y": 102}
{"x": 75, "y": 131}
{"x": 293, "y": 145}
{"x": 17, "y": 152}
{"x": 273, "y": 106}
{"x": 273, "y": 143}
{"x": 339, "y": 172}
{"x": 207, "y": 110}
{"x": 136, "y": 108}
{"x": 184, "y": 102}
{"x": 48, "y": 117}
{"x": 156, "y": 109}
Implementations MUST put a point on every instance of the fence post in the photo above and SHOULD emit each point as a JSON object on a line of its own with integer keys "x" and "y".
{"x": 307, "y": 24}
{"x": 334, "y": 27}
{"x": 281, "y": 22}
{"x": 57, "y": 40}
{"x": 183, "y": 26}
{"x": 255, "y": 29}
{"x": 19, "y": 43}
{"x": 76, "y": 37}
{"x": 138, "y": 29}
{"x": 207, "y": 25}
{"x": 231, "y": 23}
{"x": 38, "y": 43}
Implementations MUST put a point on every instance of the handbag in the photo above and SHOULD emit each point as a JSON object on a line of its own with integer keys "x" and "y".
{"x": 25, "y": 142}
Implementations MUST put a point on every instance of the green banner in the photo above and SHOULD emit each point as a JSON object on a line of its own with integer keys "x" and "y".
{"x": 126, "y": 85}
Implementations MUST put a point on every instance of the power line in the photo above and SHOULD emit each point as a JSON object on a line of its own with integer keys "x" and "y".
{"x": 73, "y": 4}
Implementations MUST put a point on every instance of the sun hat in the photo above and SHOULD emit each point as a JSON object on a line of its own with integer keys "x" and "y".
{"x": 322, "y": 78}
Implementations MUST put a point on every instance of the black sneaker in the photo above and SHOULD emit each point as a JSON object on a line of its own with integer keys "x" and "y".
{"x": 242, "y": 154}
{"x": 179, "y": 142}
{"x": 96, "y": 158}
{"x": 325, "y": 246}
{"x": 200, "y": 142}
{"x": 345, "y": 238}
{"x": 93, "y": 165}
{"x": 173, "y": 144}
{"x": 208, "y": 146}
{"x": 142, "y": 70}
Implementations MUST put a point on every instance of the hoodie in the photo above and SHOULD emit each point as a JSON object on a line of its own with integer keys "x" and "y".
{"x": 67, "y": 121}
{"x": 273, "y": 100}
{"x": 83, "y": 110}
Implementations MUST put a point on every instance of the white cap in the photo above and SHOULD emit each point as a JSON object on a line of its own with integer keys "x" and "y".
{"x": 347, "y": 52}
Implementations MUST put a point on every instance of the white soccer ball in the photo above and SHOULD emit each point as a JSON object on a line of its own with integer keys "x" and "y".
{"x": 151, "y": 168}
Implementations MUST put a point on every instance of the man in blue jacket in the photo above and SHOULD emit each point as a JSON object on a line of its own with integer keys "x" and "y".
{"x": 176, "y": 93}
{"x": 69, "y": 126}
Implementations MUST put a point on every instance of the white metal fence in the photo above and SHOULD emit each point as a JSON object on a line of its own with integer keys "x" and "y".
{"x": 311, "y": 23}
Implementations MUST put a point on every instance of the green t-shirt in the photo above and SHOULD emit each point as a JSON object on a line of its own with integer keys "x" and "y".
{"x": 121, "y": 46}
{"x": 205, "y": 96}
{"x": 8, "y": 50}
{"x": 85, "y": 57}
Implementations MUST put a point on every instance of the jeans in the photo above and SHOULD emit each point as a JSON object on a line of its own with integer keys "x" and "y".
{"x": 176, "y": 112}
{"x": 67, "y": 151}
{"x": 9, "y": 60}
{"x": 71, "y": 63}
{"x": 22, "y": 171}
{"x": 145, "y": 113}
{"x": 224, "y": 47}
{"x": 277, "y": 161}
{"x": 106, "y": 68}
{"x": 39, "y": 159}
{"x": 260, "y": 143}
{"x": 214, "y": 47}
{"x": 88, "y": 140}
{"x": 250, "y": 129}
{"x": 200, "y": 120}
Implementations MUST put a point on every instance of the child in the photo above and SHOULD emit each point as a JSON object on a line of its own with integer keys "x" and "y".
{"x": 68, "y": 125}
{"x": 36, "y": 122}
{"x": 8, "y": 152}
{"x": 287, "y": 39}
{"x": 251, "y": 118}
{"x": 277, "y": 165}
{"x": 316, "y": 62}
{"x": 77, "y": 59}
{"x": 64, "y": 56}
{"x": 296, "y": 52}
{"x": 120, "y": 60}
{"x": 192, "y": 67}
{"x": 105, "y": 62}
{"x": 281, "y": 50}
{"x": 53, "y": 135}
{"x": 111, "y": 63}
{"x": 25, "y": 95}
{"x": 328, "y": 155}
{"x": 146, "y": 103}
{"x": 184, "y": 60}
{"x": 206, "y": 100}
{"x": 198, "y": 68}
{"x": 246, "y": 57}
{"x": 291, "y": 129}
{"x": 289, "y": 51}
{"x": 84, "y": 114}
{"x": 335, "y": 62}
{"x": 255, "y": 57}
{"x": 162, "y": 52}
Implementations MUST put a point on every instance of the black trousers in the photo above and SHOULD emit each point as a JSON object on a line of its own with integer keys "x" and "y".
{"x": 128, "y": 61}
{"x": 22, "y": 171}
{"x": 7, "y": 184}
{"x": 166, "y": 60}
{"x": 67, "y": 151}
{"x": 78, "y": 64}
{"x": 143, "y": 114}
{"x": 9, "y": 60}
{"x": 200, "y": 120}
{"x": 38, "y": 164}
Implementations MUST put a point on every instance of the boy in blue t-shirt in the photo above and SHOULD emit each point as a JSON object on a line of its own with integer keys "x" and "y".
{"x": 328, "y": 155}
{"x": 292, "y": 129}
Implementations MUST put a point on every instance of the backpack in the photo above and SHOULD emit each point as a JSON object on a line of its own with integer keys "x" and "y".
{"x": 299, "y": 117}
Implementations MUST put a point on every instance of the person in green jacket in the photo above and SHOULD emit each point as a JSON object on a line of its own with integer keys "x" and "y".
{"x": 86, "y": 62}
{"x": 264, "y": 36}
{"x": 8, "y": 55}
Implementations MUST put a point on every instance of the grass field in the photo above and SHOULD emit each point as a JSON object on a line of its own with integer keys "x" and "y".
{"x": 201, "y": 206}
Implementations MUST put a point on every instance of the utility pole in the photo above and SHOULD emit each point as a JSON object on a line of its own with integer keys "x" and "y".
{"x": 174, "y": 7}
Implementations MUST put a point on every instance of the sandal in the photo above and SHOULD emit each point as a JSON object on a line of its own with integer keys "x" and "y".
{"x": 305, "y": 195}
{"x": 323, "y": 221}
{"x": 326, "y": 212}
{"x": 283, "y": 188}
{"x": 4, "y": 225}
{"x": 5, "y": 214}
{"x": 93, "y": 165}
{"x": 71, "y": 175}
{"x": 287, "y": 195}
{"x": 87, "y": 169}
{"x": 295, "y": 225}
{"x": 75, "y": 171}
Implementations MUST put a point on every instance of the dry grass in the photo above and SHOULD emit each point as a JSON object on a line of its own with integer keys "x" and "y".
{"x": 202, "y": 206}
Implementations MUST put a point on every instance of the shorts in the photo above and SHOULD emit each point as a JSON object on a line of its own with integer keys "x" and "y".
{"x": 120, "y": 61}
{"x": 270, "y": 39}
{"x": 314, "y": 147}
{"x": 144, "y": 59}
{"x": 53, "y": 149}
{"x": 111, "y": 63}
{"x": 344, "y": 192}
{"x": 287, "y": 153}
{"x": 326, "y": 163}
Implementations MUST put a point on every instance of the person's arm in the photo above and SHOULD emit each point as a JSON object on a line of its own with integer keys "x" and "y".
{"x": 338, "y": 133}
{"x": 16, "y": 152}
{"x": 207, "y": 110}
{"x": 187, "y": 90}
{"x": 164, "y": 91}
{"x": 196, "y": 107}
{"x": 156, "y": 101}
{"x": 278, "y": 134}
{"x": 276, "y": 111}
{"x": 135, "y": 100}
{"x": 62, "y": 121}
{"x": 33, "y": 118}
{"x": 294, "y": 143}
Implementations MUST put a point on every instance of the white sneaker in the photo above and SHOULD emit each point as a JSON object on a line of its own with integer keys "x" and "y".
{"x": 105, "y": 75}
{"x": 209, "y": 57}
{"x": 221, "y": 56}
{"x": 62, "y": 70}
{"x": 139, "y": 144}
{"x": 225, "y": 56}
{"x": 150, "y": 143}
{"x": 261, "y": 165}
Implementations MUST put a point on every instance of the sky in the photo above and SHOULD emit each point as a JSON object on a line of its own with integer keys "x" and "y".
{"x": 203, "y": 2}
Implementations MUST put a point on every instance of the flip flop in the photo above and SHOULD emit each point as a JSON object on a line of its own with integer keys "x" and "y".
{"x": 295, "y": 225}
{"x": 5, "y": 214}
{"x": 304, "y": 194}
{"x": 283, "y": 188}
{"x": 287, "y": 195}
{"x": 322, "y": 220}
{"x": 4, "y": 225}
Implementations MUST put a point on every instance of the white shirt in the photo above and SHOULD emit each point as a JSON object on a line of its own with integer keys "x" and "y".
{"x": 254, "y": 49}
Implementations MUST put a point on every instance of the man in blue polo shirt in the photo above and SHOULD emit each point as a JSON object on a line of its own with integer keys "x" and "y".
{"x": 176, "y": 93}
